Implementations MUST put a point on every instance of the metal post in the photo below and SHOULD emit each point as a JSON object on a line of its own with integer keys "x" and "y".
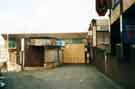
{"x": 121, "y": 26}
{"x": 110, "y": 29}
{"x": 58, "y": 56}
{"x": 7, "y": 53}
{"x": 106, "y": 53}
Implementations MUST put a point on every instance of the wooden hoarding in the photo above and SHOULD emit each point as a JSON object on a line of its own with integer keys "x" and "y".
{"x": 74, "y": 53}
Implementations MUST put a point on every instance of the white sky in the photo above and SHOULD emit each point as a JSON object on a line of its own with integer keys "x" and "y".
{"x": 46, "y": 16}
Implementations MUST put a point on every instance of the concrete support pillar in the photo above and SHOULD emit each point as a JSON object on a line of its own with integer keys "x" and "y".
{"x": 22, "y": 53}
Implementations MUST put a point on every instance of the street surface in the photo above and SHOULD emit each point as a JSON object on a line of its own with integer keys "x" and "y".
{"x": 64, "y": 77}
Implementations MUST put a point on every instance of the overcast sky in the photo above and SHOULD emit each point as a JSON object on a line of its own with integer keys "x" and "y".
{"x": 48, "y": 16}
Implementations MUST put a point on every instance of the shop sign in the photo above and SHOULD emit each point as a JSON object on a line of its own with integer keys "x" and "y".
{"x": 127, "y": 4}
{"x": 115, "y": 3}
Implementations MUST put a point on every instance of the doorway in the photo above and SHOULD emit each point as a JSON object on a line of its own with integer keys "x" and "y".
{"x": 35, "y": 56}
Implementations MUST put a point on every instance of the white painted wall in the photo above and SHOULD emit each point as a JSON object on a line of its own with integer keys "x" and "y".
{"x": 3, "y": 50}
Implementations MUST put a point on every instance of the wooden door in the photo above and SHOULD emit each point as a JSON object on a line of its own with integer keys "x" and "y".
{"x": 35, "y": 56}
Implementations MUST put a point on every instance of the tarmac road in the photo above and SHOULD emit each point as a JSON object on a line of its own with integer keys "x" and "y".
{"x": 65, "y": 77}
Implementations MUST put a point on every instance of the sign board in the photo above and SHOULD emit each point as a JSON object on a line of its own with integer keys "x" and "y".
{"x": 115, "y": 14}
{"x": 127, "y": 4}
{"x": 101, "y": 7}
{"x": 42, "y": 42}
{"x": 115, "y": 3}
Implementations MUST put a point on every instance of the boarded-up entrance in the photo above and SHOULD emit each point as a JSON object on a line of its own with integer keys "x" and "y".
{"x": 74, "y": 53}
{"x": 35, "y": 56}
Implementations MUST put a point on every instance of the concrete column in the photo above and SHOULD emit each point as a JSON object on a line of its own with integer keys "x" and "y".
{"x": 22, "y": 53}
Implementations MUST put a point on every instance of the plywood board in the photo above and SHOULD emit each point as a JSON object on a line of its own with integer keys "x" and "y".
{"x": 74, "y": 53}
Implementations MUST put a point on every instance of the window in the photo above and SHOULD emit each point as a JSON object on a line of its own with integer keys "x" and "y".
{"x": 12, "y": 43}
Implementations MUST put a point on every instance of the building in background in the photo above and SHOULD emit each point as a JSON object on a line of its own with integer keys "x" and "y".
{"x": 44, "y": 50}
{"x": 98, "y": 36}
{"x": 102, "y": 33}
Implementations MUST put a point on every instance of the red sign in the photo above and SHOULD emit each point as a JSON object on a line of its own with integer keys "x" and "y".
{"x": 102, "y": 6}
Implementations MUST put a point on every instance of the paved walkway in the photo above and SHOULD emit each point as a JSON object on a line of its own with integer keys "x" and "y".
{"x": 65, "y": 77}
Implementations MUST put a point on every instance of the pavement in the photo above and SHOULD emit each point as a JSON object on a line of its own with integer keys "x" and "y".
{"x": 64, "y": 77}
